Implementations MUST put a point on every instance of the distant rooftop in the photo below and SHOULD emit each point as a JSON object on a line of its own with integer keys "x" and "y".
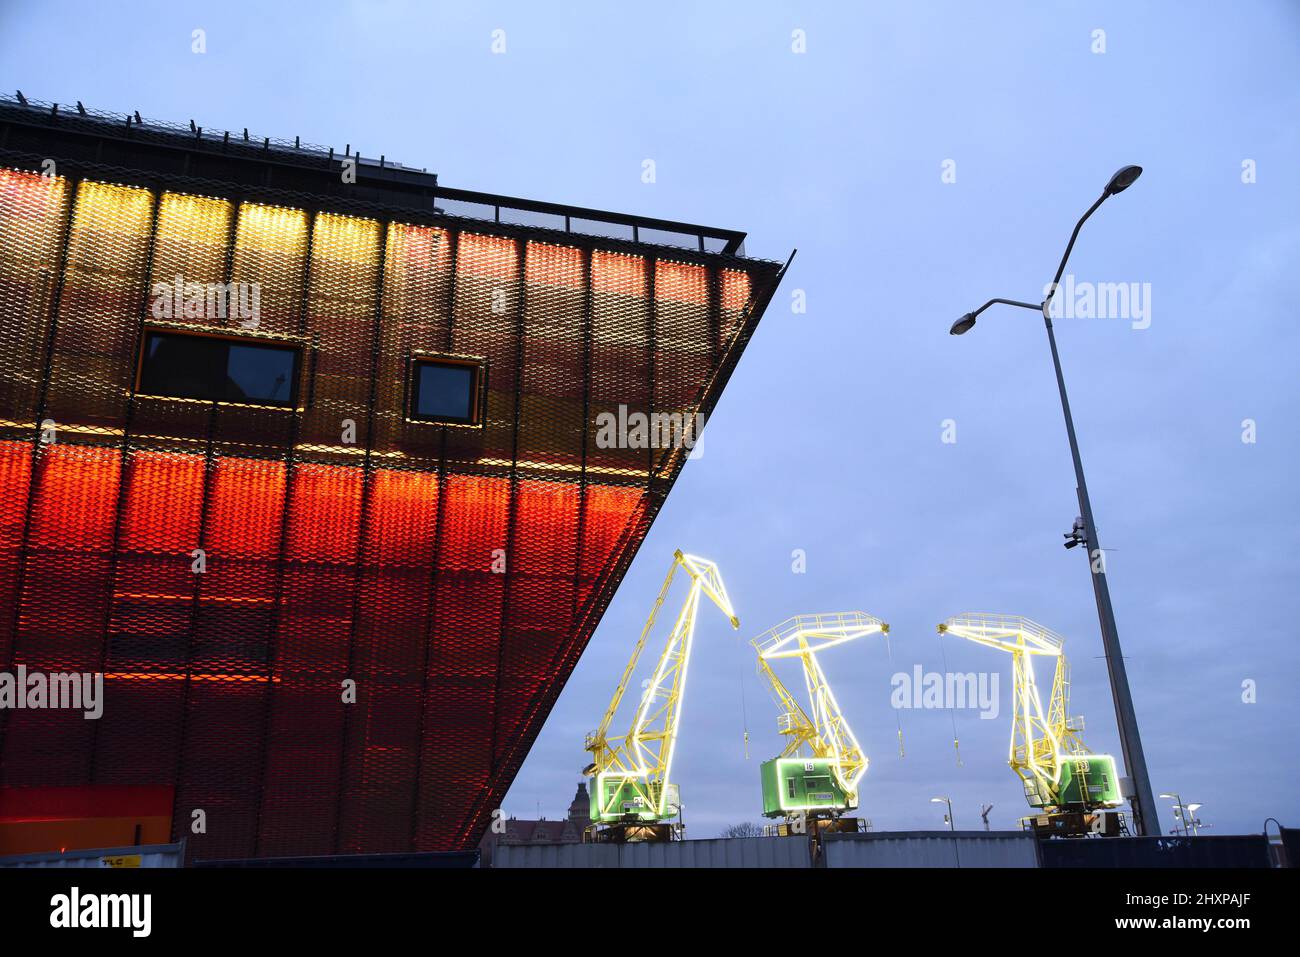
{"x": 196, "y": 150}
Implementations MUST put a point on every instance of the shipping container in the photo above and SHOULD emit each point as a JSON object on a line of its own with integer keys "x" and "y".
{"x": 148, "y": 855}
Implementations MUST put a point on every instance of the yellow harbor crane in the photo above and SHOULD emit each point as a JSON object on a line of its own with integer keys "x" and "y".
{"x": 632, "y": 798}
{"x": 817, "y": 774}
{"x": 1071, "y": 785}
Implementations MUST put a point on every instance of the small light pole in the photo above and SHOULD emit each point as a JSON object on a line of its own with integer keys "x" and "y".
{"x": 948, "y": 816}
{"x": 1180, "y": 813}
{"x": 1085, "y": 531}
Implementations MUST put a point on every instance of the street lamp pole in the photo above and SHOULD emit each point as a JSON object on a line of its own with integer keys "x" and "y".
{"x": 1182, "y": 814}
{"x": 947, "y": 801}
{"x": 1135, "y": 764}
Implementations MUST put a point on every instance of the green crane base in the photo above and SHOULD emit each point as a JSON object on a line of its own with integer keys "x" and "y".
{"x": 802, "y": 785}
{"x": 616, "y": 798}
{"x": 1087, "y": 781}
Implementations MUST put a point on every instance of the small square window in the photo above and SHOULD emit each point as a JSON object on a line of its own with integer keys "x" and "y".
{"x": 446, "y": 390}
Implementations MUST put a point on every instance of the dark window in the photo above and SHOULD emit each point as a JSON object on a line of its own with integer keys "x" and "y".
{"x": 189, "y": 366}
{"x": 446, "y": 390}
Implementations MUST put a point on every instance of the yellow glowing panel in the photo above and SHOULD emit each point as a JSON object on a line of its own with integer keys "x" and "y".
{"x": 191, "y": 238}
{"x": 110, "y": 229}
{"x": 271, "y": 250}
{"x": 107, "y": 250}
{"x": 344, "y": 264}
{"x": 33, "y": 213}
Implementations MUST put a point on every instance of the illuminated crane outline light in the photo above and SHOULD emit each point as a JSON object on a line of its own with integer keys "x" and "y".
{"x": 642, "y": 759}
{"x": 825, "y": 732}
{"x": 1040, "y": 742}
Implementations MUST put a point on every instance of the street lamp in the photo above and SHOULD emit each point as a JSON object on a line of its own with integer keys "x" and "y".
{"x": 948, "y": 817}
{"x": 1185, "y": 814}
{"x": 1085, "y": 531}
{"x": 1178, "y": 811}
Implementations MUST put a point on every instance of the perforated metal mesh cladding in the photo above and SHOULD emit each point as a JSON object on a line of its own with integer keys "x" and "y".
{"x": 342, "y": 540}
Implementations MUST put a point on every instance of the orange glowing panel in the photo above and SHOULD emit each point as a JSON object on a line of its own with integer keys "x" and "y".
{"x": 246, "y": 508}
{"x": 555, "y": 266}
{"x": 415, "y": 271}
{"x": 617, "y": 273}
{"x": 680, "y": 282}
{"x": 488, "y": 257}
{"x": 736, "y": 292}
{"x": 475, "y": 522}
{"x": 75, "y": 495}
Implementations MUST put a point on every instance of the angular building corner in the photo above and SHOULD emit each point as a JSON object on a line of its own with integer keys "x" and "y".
{"x": 330, "y": 610}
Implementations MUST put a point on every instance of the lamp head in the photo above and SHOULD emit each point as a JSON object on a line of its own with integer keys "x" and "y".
{"x": 1123, "y": 179}
{"x": 963, "y": 325}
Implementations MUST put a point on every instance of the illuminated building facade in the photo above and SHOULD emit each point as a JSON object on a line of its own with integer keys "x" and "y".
{"x": 307, "y": 469}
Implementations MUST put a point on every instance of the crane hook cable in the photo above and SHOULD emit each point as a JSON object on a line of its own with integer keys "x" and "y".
{"x": 951, "y": 714}
{"x": 744, "y": 713}
{"x": 898, "y": 714}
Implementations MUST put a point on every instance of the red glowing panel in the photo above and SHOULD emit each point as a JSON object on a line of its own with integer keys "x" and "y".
{"x": 475, "y": 522}
{"x": 76, "y": 494}
{"x": 613, "y": 513}
{"x": 324, "y": 511}
{"x": 246, "y": 511}
{"x": 546, "y": 529}
{"x": 402, "y": 518}
{"x": 15, "y": 469}
{"x": 164, "y": 495}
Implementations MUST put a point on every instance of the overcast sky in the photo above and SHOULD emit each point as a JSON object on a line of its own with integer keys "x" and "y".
{"x": 830, "y": 438}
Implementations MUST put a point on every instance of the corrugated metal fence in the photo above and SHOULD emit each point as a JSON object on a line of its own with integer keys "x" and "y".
{"x": 1221, "y": 850}
{"x": 735, "y": 852}
{"x": 932, "y": 849}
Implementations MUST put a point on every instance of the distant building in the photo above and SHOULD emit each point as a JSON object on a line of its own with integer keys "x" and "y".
{"x": 518, "y": 831}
